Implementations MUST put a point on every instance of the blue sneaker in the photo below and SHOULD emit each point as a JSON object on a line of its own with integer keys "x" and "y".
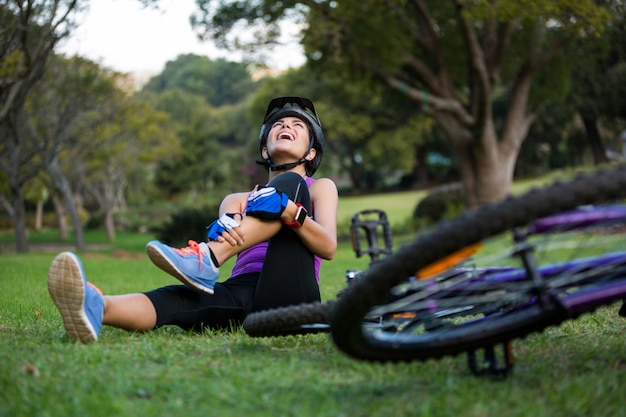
{"x": 191, "y": 265}
{"x": 80, "y": 303}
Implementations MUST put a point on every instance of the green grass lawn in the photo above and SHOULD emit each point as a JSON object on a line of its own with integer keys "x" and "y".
{"x": 574, "y": 370}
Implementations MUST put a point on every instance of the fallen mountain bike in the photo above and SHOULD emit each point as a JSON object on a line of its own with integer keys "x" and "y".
{"x": 492, "y": 275}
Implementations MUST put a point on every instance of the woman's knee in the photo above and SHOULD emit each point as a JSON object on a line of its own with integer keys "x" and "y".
{"x": 293, "y": 185}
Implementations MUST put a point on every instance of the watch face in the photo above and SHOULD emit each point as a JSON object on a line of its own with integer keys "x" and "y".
{"x": 301, "y": 215}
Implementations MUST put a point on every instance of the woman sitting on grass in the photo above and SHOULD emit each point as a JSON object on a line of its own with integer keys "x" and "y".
{"x": 280, "y": 233}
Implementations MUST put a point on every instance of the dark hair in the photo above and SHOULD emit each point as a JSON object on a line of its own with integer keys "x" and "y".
{"x": 303, "y": 109}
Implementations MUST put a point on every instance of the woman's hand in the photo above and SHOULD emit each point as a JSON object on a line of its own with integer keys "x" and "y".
{"x": 226, "y": 229}
{"x": 233, "y": 236}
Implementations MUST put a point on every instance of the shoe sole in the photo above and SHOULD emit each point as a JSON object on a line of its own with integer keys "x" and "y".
{"x": 67, "y": 289}
{"x": 158, "y": 258}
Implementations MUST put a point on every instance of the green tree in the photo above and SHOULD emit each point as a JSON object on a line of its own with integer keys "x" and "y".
{"x": 64, "y": 103}
{"x": 219, "y": 82}
{"x": 207, "y": 102}
{"x": 452, "y": 57}
{"x": 599, "y": 91}
{"x": 211, "y": 160}
{"x": 29, "y": 31}
{"x": 90, "y": 135}
{"x": 131, "y": 142}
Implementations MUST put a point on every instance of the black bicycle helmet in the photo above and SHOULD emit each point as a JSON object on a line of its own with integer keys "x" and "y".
{"x": 303, "y": 109}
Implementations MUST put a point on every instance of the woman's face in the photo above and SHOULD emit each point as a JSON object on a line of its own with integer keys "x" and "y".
{"x": 288, "y": 139}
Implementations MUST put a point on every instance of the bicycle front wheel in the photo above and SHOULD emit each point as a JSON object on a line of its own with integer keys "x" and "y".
{"x": 487, "y": 277}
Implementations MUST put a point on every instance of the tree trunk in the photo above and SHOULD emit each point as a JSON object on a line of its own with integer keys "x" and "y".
{"x": 62, "y": 185}
{"x": 61, "y": 220}
{"x": 594, "y": 140}
{"x": 19, "y": 220}
{"x": 420, "y": 170}
{"x": 7, "y": 206}
{"x": 39, "y": 215}
{"x": 73, "y": 210}
{"x": 486, "y": 164}
{"x": 109, "y": 224}
{"x": 356, "y": 174}
{"x": 485, "y": 183}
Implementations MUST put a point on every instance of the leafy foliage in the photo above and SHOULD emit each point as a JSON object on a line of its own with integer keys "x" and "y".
{"x": 453, "y": 58}
{"x": 440, "y": 203}
{"x": 30, "y": 31}
{"x": 207, "y": 101}
{"x": 218, "y": 82}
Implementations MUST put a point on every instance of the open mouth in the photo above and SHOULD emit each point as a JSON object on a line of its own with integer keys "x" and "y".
{"x": 286, "y": 135}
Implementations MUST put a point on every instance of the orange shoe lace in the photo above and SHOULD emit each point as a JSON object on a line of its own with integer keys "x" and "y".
{"x": 95, "y": 288}
{"x": 192, "y": 249}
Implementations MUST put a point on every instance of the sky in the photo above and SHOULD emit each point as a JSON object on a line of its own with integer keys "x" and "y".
{"x": 124, "y": 36}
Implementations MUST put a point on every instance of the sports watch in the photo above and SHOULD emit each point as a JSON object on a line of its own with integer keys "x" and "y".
{"x": 299, "y": 219}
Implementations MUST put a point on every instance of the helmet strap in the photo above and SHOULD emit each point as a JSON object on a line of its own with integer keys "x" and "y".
{"x": 273, "y": 167}
{"x": 268, "y": 163}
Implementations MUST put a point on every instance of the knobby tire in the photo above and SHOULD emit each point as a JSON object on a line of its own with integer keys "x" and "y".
{"x": 291, "y": 320}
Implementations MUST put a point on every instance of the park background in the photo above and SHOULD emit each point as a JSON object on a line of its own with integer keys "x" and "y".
{"x": 454, "y": 103}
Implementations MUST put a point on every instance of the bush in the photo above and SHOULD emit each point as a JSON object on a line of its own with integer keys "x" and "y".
{"x": 186, "y": 224}
{"x": 143, "y": 218}
{"x": 96, "y": 221}
{"x": 441, "y": 203}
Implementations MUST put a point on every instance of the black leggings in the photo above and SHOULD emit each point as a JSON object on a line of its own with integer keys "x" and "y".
{"x": 287, "y": 278}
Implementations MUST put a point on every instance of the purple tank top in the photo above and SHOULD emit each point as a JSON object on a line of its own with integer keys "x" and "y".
{"x": 251, "y": 260}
